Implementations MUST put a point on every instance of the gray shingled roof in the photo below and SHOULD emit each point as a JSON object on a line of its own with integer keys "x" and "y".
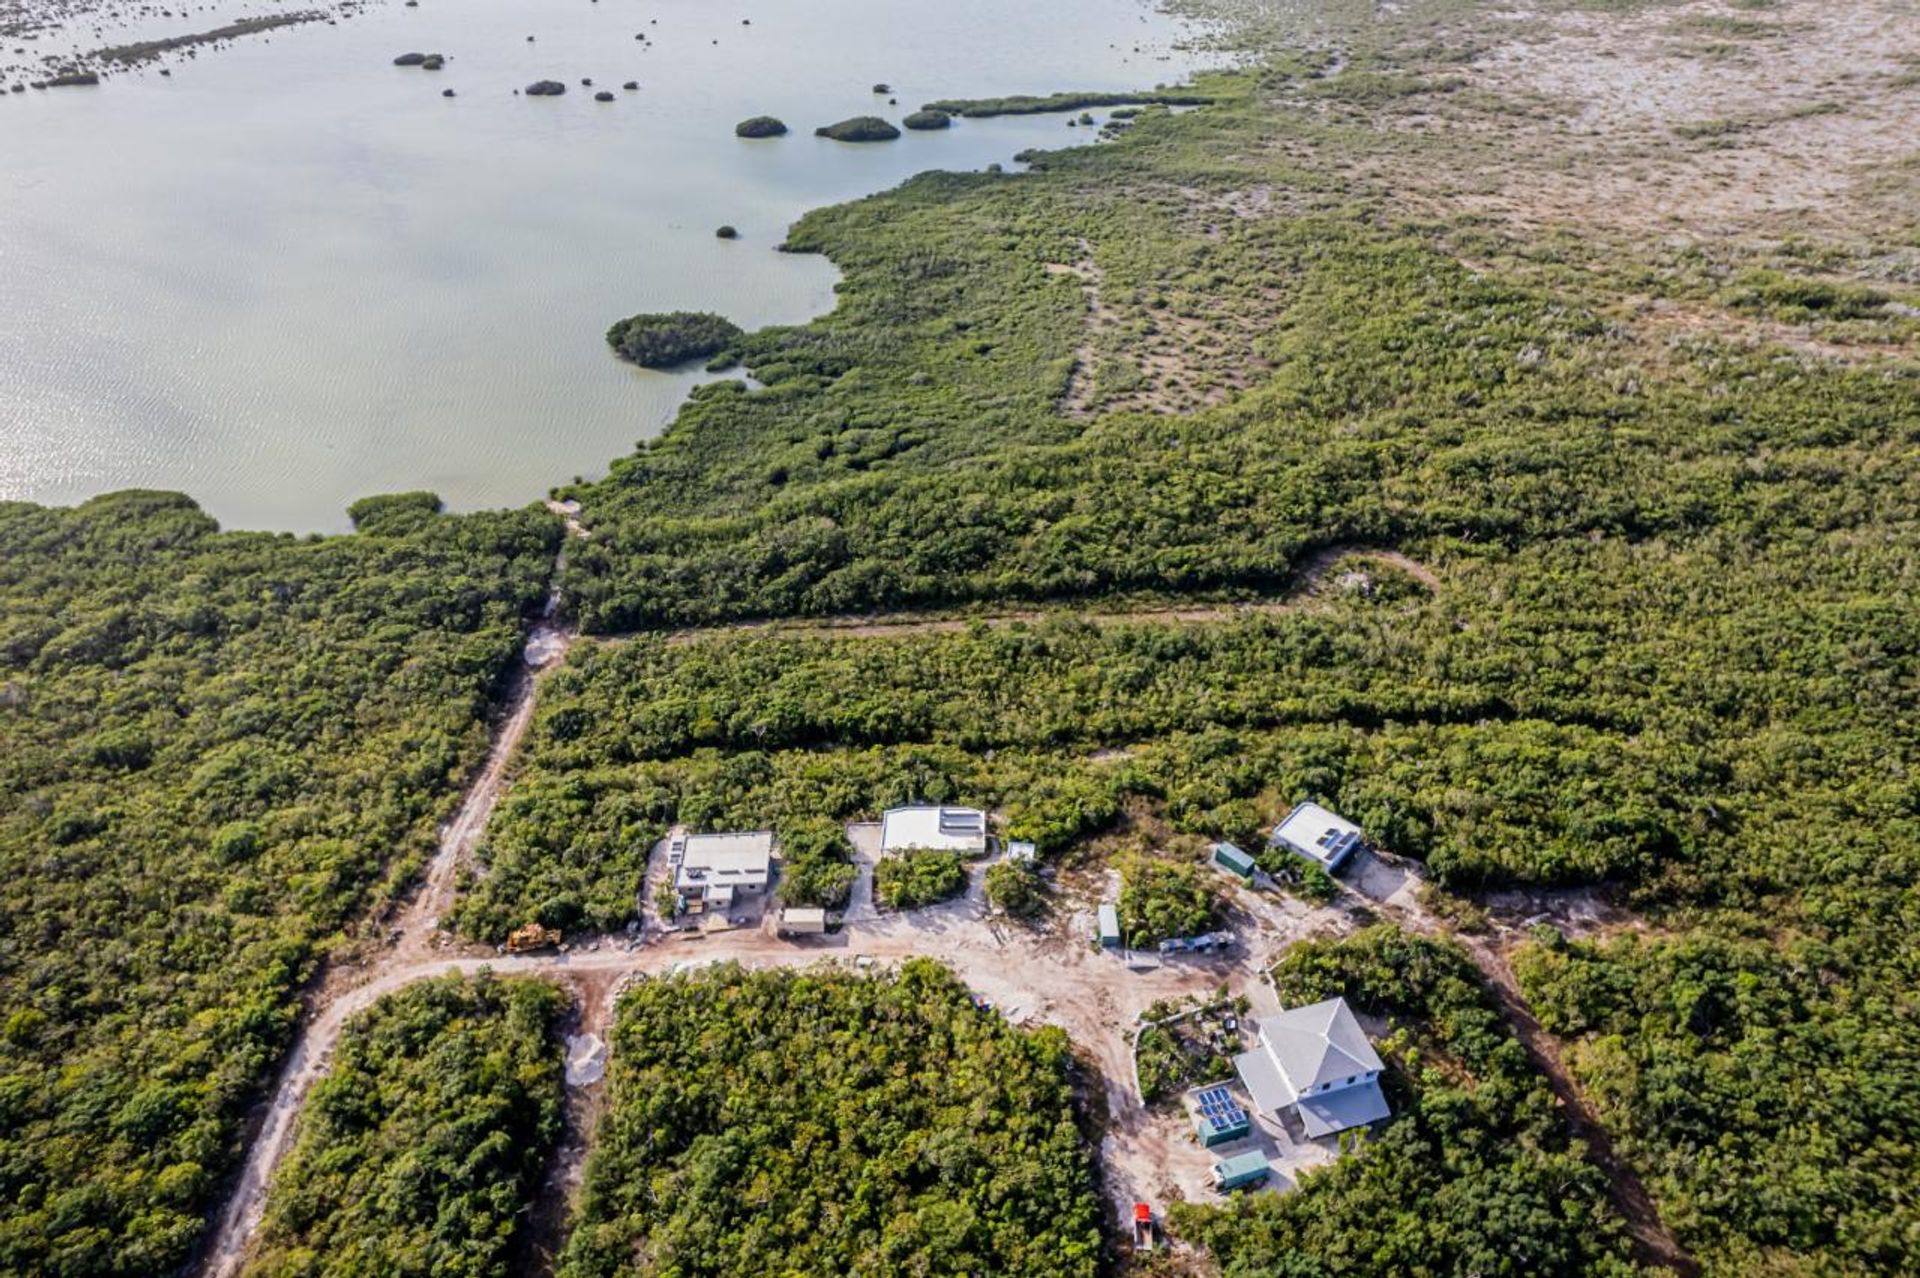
{"x": 1335, "y": 1111}
{"x": 1319, "y": 1043}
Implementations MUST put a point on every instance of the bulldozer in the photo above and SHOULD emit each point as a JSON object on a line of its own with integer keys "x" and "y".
{"x": 532, "y": 937}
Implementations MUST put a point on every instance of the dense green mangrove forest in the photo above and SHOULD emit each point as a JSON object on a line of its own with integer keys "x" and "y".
{"x": 1303, "y": 440}
{"x": 846, "y": 1124}
{"x": 219, "y": 752}
{"x": 420, "y": 1149}
{"x": 1667, "y": 646}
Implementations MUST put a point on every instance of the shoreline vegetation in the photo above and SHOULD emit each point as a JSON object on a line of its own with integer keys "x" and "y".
{"x": 1661, "y": 629}
{"x": 668, "y": 339}
{"x": 1027, "y": 104}
{"x": 222, "y": 756}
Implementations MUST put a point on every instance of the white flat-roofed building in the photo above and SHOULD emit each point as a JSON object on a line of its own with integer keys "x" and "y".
{"x": 1317, "y": 1060}
{"x": 934, "y": 829}
{"x": 802, "y": 920}
{"x": 714, "y": 868}
{"x": 1317, "y": 834}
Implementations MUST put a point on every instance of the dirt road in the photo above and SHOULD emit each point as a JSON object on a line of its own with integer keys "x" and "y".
{"x": 347, "y": 991}
{"x": 1036, "y": 977}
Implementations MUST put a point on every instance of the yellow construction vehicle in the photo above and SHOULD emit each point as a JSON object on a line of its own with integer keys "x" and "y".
{"x": 532, "y": 937}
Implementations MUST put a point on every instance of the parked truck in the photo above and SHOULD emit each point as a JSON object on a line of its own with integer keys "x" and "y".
{"x": 1143, "y": 1230}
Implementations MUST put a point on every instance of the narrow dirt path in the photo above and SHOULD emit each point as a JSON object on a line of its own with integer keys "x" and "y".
{"x": 420, "y": 924}
{"x": 1653, "y": 1243}
{"x": 557, "y": 1195}
{"x": 1392, "y": 884}
{"x": 1313, "y": 569}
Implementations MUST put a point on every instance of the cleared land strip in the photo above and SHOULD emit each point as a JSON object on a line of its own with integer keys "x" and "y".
{"x": 878, "y": 626}
{"x": 1654, "y": 1243}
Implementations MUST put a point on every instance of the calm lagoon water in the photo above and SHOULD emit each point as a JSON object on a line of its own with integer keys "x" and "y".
{"x": 293, "y": 274}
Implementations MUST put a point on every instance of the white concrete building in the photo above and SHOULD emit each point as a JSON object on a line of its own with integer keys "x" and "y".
{"x": 1318, "y": 1061}
{"x": 934, "y": 829}
{"x": 803, "y": 920}
{"x": 714, "y": 868}
{"x": 1319, "y": 835}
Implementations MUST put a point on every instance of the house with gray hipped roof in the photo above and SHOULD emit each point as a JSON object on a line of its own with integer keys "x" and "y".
{"x": 1317, "y": 1061}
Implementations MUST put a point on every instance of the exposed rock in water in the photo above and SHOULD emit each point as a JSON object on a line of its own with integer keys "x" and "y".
{"x": 73, "y": 79}
{"x": 883, "y": 88}
{"x": 861, "y": 128}
{"x": 760, "y": 126}
{"x": 631, "y": 85}
{"x": 605, "y": 95}
{"x": 727, "y": 233}
{"x": 928, "y": 120}
{"x": 446, "y": 93}
{"x": 410, "y": 59}
{"x": 546, "y": 89}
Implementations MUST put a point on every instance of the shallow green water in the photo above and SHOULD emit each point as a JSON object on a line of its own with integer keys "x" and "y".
{"x": 293, "y": 274}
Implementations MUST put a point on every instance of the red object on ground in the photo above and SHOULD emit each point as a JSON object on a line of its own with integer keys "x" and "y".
{"x": 1142, "y": 1213}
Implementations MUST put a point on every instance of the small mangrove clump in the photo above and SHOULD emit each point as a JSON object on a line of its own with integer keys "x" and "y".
{"x": 666, "y": 339}
{"x": 546, "y": 89}
{"x": 727, "y": 233}
{"x": 760, "y": 126}
{"x": 861, "y": 128}
{"x": 432, "y": 62}
{"x": 928, "y": 120}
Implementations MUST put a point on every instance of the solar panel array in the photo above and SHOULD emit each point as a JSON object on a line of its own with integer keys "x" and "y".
{"x": 1338, "y": 842}
{"x": 1218, "y": 1107}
